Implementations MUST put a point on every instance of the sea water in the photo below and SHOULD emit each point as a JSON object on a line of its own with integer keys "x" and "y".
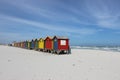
{"x": 105, "y": 48}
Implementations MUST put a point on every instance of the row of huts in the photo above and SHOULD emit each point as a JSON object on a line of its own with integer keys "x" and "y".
{"x": 54, "y": 44}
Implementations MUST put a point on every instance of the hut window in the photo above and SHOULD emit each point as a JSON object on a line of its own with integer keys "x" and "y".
{"x": 55, "y": 40}
{"x": 63, "y": 42}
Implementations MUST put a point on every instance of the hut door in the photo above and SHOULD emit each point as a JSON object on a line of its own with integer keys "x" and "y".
{"x": 55, "y": 44}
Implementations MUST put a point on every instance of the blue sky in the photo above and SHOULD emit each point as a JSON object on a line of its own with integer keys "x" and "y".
{"x": 85, "y": 22}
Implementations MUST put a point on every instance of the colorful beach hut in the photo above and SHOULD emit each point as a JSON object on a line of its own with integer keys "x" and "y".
{"x": 15, "y": 44}
{"x": 28, "y": 44}
{"x": 19, "y": 44}
{"x": 60, "y": 44}
{"x": 36, "y": 44}
{"x": 48, "y": 44}
{"x": 41, "y": 44}
{"x": 22, "y": 44}
{"x": 32, "y": 46}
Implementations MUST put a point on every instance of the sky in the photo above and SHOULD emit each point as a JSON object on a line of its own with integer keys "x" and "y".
{"x": 84, "y": 22}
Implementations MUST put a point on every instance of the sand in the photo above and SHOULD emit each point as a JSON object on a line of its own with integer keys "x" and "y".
{"x": 82, "y": 64}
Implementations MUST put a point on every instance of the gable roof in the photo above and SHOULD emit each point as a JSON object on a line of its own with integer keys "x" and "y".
{"x": 60, "y": 37}
{"x": 42, "y": 38}
{"x": 49, "y": 37}
{"x": 36, "y": 39}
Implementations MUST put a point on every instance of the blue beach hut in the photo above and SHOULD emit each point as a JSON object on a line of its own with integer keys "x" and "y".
{"x": 32, "y": 44}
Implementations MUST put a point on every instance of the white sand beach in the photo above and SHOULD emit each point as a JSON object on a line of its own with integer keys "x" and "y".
{"x": 82, "y": 64}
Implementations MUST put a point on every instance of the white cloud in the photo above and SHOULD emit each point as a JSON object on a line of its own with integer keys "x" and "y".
{"x": 71, "y": 14}
{"x": 104, "y": 13}
{"x": 51, "y": 26}
{"x": 97, "y": 13}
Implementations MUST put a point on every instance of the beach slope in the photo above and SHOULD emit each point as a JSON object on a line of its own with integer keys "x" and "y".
{"x": 82, "y": 64}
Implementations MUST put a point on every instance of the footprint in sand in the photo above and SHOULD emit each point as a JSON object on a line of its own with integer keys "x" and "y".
{"x": 9, "y": 60}
{"x": 73, "y": 64}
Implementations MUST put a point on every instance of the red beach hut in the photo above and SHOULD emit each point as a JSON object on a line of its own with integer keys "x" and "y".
{"x": 48, "y": 44}
{"x": 61, "y": 44}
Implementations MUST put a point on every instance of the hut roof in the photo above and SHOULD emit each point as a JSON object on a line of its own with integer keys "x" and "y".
{"x": 60, "y": 37}
{"x": 32, "y": 40}
{"x": 28, "y": 40}
{"x": 36, "y": 39}
{"x": 42, "y": 38}
{"x": 49, "y": 37}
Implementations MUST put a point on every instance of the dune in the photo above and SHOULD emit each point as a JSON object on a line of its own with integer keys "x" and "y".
{"x": 82, "y": 64}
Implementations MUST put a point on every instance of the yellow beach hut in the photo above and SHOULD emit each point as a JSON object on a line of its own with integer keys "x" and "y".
{"x": 41, "y": 44}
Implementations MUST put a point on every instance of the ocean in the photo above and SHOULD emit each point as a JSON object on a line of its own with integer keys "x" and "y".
{"x": 105, "y": 48}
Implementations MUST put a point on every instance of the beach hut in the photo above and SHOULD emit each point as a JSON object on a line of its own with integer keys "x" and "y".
{"x": 48, "y": 44}
{"x": 24, "y": 44}
{"x": 32, "y": 46}
{"x": 28, "y": 44}
{"x": 36, "y": 44}
{"x": 18, "y": 44}
{"x": 41, "y": 44}
{"x": 15, "y": 44}
{"x": 21, "y": 44}
{"x": 60, "y": 44}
